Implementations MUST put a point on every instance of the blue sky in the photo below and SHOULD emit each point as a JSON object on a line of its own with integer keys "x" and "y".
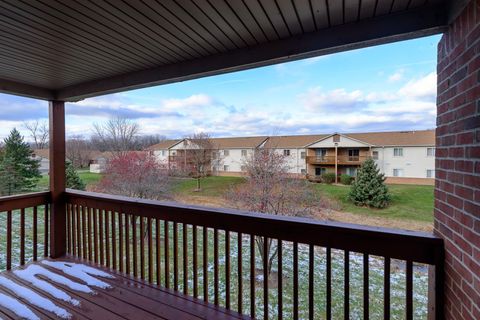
{"x": 388, "y": 87}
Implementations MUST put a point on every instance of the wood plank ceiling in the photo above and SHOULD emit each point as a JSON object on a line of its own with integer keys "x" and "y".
{"x": 70, "y": 49}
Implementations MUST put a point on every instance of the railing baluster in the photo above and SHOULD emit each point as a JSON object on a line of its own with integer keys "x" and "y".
{"x": 265, "y": 277}
{"x": 346, "y": 286}
{"x": 252, "y": 276}
{"x": 142, "y": 248}
{"x": 89, "y": 233}
{"x": 101, "y": 230}
{"x": 74, "y": 230}
{"x": 386, "y": 289}
{"x": 311, "y": 265}
{"x": 150, "y": 250}
{"x": 227, "y": 270}
{"x": 46, "y": 233}
{"x": 185, "y": 258}
{"x": 195, "y": 261}
{"x": 215, "y": 266}
{"x": 127, "y": 243}
{"x": 114, "y": 240}
{"x": 205, "y": 264}
{"x": 240, "y": 273}
{"x": 107, "y": 239}
{"x": 9, "y": 240}
{"x": 167, "y": 254}
{"x": 295, "y": 280}
{"x": 280, "y": 279}
{"x": 175, "y": 256}
{"x": 366, "y": 287}
{"x": 84, "y": 233}
{"x": 120, "y": 241}
{"x": 22, "y": 236}
{"x": 409, "y": 289}
{"x": 79, "y": 231}
{"x": 69, "y": 230}
{"x": 35, "y": 233}
{"x": 329, "y": 282}
{"x": 158, "y": 251}
{"x": 134, "y": 246}
{"x": 95, "y": 235}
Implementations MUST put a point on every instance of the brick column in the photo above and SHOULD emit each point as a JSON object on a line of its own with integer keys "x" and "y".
{"x": 457, "y": 188}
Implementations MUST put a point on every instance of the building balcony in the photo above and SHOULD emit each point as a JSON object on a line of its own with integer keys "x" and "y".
{"x": 175, "y": 261}
{"x": 341, "y": 160}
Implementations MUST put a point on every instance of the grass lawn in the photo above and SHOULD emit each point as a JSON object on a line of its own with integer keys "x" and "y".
{"x": 210, "y": 186}
{"x": 86, "y": 176}
{"x": 408, "y": 201}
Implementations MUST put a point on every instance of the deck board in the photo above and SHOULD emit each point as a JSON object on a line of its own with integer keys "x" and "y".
{"x": 127, "y": 298}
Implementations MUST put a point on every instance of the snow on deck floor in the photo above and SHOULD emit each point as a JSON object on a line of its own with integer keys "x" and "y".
{"x": 70, "y": 289}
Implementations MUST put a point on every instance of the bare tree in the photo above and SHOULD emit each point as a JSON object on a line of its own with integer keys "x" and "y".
{"x": 38, "y": 130}
{"x": 118, "y": 135}
{"x": 199, "y": 155}
{"x": 143, "y": 142}
{"x": 78, "y": 151}
{"x": 269, "y": 188}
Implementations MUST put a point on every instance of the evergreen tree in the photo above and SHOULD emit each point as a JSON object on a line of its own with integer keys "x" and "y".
{"x": 19, "y": 172}
{"x": 73, "y": 179}
{"x": 369, "y": 187}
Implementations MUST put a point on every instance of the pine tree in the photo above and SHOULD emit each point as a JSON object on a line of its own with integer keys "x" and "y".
{"x": 73, "y": 179}
{"x": 369, "y": 187}
{"x": 19, "y": 172}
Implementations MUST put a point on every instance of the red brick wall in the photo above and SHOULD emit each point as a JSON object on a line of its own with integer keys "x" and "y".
{"x": 457, "y": 189}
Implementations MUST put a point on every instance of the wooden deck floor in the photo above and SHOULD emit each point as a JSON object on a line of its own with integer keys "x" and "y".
{"x": 126, "y": 298}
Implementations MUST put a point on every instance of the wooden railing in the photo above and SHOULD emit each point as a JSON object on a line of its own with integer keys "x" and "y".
{"x": 320, "y": 269}
{"x": 341, "y": 159}
{"x": 24, "y": 224}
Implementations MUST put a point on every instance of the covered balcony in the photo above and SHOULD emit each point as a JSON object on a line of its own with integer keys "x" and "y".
{"x": 151, "y": 259}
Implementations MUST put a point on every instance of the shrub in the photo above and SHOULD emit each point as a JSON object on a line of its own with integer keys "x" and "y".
{"x": 346, "y": 179}
{"x": 328, "y": 178}
{"x": 73, "y": 179}
{"x": 369, "y": 187}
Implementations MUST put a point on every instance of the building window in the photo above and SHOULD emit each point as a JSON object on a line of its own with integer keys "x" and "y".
{"x": 244, "y": 153}
{"x": 430, "y": 152}
{"x": 398, "y": 172}
{"x": 303, "y": 171}
{"x": 163, "y": 153}
{"x": 174, "y": 153}
{"x": 398, "y": 152}
{"x": 320, "y": 171}
{"x": 286, "y": 152}
{"x": 302, "y": 155}
{"x": 243, "y": 168}
{"x": 226, "y": 152}
{"x": 225, "y": 168}
{"x": 375, "y": 155}
{"x": 430, "y": 173}
{"x": 353, "y": 154}
{"x": 352, "y": 172}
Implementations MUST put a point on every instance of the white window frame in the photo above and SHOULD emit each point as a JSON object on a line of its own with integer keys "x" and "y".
{"x": 398, "y": 170}
{"x": 226, "y": 153}
{"x": 432, "y": 173}
{"x": 225, "y": 167}
{"x": 431, "y": 148}
{"x": 303, "y": 171}
{"x": 375, "y": 153}
{"x": 400, "y": 152}
{"x": 303, "y": 154}
{"x": 244, "y": 152}
{"x": 286, "y": 152}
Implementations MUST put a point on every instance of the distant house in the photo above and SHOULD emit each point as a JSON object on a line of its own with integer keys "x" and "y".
{"x": 43, "y": 156}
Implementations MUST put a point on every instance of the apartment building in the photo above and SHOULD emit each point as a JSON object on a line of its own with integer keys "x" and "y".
{"x": 403, "y": 156}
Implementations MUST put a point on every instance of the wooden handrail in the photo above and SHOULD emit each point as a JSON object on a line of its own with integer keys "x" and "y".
{"x": 398, "y": 244}
{"x": 26, "y": 200}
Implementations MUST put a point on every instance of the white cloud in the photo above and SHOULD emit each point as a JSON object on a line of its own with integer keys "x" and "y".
{"x": 397, "y": 76}
{"x": 315, "y": 99}
{"x": 421, "y": 88}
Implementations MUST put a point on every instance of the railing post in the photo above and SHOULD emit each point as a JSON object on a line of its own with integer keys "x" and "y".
{"x": 57, "y": 179}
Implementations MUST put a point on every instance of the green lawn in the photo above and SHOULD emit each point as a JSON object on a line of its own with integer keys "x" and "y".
{"x": 86, "y": 176}
{"x": 410, "y": 202}
{"x": 210, "y": 186}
